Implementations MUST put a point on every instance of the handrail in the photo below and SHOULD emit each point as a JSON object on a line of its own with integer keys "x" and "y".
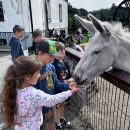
{"x": 24, "y": 37}
{"x": 117, "y": 77}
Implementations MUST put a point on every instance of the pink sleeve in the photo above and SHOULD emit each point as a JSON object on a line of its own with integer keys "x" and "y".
{"x": 42, "y": 99}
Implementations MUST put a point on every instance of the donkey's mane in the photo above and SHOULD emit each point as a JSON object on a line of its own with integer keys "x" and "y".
{"x": 118, "y": 29}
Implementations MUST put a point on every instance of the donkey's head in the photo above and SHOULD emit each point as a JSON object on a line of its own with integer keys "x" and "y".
{"x": 100, "y": 52}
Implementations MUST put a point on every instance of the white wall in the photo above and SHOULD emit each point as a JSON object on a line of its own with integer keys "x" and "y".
{"x": 38, "y": 14}
{"x": 55, "y": 14}
{"x": 15, "y": 12}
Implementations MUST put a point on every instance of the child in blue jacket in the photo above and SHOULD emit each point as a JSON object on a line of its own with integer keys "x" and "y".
{"x": 15, "y": 43}
{"x": 48, "y": 81}
{"x": 63, "y": 73}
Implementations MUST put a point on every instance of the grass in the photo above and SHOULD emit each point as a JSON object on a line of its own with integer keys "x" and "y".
{"x": 84, "y": 40}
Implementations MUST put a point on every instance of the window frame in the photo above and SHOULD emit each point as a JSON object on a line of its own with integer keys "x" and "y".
{"x": 49, "y": 10}
{"x": 2, "y": 12}
{"x": 60, "y": 13}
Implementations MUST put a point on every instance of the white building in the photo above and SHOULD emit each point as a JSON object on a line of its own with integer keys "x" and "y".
{"x": 30, "y": 14}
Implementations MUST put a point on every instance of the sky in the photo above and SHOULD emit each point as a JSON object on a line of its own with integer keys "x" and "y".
{"x": 91, "y": 5}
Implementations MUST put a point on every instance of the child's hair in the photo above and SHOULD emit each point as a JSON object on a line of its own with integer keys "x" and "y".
{"x": 36, "y": 33}
{"x": 77, "y": 32}
{"x": 17, "y": 28}
{"x": 14, "y": 78}
{"x": 60, "y": 46}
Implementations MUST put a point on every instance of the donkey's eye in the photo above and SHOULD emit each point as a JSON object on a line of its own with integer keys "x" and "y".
{"x": 96, "y": 52}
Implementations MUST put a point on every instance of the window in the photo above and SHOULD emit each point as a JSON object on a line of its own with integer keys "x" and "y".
{"x": 1, "y": 12}
{"x": 60, "y": 13}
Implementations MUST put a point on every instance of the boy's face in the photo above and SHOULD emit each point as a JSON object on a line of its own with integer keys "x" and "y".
{"x": 45, "y": 58}
{"x": 38, "y": 39}
{"x": 19, "y": 34}
{"x": 60, "y": 58}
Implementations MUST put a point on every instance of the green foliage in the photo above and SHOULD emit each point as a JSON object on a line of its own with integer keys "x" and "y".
{"x": 102, "y": 14}
{"x": 70, "y": 21}
{"x": 84, "y": 40}
{"x": 73, "y": 24}
{"x": 72, "y": 11}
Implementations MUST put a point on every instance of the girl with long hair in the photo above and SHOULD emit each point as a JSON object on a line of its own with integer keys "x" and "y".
{"x": 23, "y": 103}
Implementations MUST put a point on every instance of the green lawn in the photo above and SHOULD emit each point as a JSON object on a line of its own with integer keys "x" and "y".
{"x": 85, "y": 40}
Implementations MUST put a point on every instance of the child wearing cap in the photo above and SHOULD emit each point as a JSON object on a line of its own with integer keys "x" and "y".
{"x": 48, "y": 81}
{"x": 63, "y": 73}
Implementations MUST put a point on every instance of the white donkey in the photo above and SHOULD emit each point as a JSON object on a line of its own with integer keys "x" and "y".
{"x": 110, "y": 46}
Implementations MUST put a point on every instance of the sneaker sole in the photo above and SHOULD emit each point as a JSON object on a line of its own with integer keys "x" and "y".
{"x": 67, "y": 125}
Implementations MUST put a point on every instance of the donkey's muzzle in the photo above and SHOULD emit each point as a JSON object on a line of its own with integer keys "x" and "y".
{"x": 78, "y": 80}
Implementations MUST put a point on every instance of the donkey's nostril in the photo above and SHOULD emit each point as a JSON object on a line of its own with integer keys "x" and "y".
{"x": 77, "y": 79}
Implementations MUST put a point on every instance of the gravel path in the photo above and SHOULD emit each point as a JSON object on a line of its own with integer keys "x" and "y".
{"x": 5, "y": 61}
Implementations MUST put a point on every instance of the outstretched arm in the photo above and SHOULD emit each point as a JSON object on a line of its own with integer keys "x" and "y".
{"x": 42, "y": 99}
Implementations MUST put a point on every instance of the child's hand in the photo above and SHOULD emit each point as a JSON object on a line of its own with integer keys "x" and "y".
{"x": 72, "y": 85}
{"x": 75, "y": 89}
{"x": 70, "y": 80}
{"x": 48, "y": 114}
{"x": 65, "y": 80}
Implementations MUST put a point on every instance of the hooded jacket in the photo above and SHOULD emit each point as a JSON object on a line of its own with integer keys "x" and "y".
{"x": 16, "y": 48}
{"x": 34, "y": 46}
{"x": 55, "y": 63}
{"x": 48, "y": 82}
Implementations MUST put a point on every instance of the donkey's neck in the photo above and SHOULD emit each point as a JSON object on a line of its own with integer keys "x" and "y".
{"x": 123, "y": 50}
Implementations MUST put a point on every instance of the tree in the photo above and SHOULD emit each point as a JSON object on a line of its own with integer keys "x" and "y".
{"x": 70, "y": 9}
{"x": 83, "y": 12}
{"x": 70, "y": 21}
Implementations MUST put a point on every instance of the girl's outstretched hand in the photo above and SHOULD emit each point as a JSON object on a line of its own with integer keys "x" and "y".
{"x": 75, "y": 89}
{"x": 72, "y": 85}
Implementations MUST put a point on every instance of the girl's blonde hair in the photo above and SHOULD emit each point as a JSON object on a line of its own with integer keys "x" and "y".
{"x": 14, "y": 78}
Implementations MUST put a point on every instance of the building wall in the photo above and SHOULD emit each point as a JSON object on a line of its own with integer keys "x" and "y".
{"x": 15, "y": 12}
{"x": 54, "y": 23}
{"x": 38, "y": 14}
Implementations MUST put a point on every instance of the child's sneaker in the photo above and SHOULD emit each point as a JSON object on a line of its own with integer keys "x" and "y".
{"x": 60, "y": 127}
{"x": 65, "y": 122}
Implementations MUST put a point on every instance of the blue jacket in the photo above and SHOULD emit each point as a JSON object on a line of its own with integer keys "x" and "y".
{"x": 48, "y": 82}
{"x": 16, "y": 48}
{"x": 55, "y": 63}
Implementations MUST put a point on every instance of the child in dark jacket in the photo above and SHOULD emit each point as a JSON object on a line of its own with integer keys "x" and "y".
{"x": 15, "y": 43}
{"x": 37, "y": 36}
{"x": 63, "y": 73}
{"x": 48, "y": 81}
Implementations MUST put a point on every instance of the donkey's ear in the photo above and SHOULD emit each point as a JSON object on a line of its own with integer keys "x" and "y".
{"x": 98, "y": 25}
{"x": 86, "y": 24}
